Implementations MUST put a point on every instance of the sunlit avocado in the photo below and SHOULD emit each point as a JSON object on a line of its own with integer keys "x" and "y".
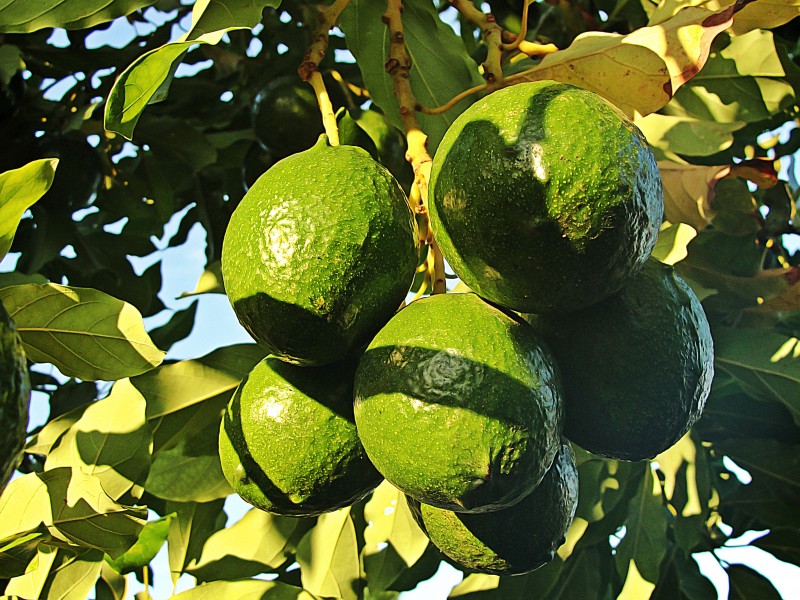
{"x": 288, "y": 442}
{"x": 514, "y": 540}
{"x": 319, "y": 254}
{"x": 459, "y": 404}
{"x": 544, "y": 197}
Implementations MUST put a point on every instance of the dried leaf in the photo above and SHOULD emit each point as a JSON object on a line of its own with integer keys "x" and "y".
{"x": 653, "y": 62}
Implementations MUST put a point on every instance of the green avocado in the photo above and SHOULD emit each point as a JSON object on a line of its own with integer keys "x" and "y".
{"x": 637, "y": 366}
{"x": 543, "y": 197}
{"x": 15, "y": 394}
{"x": 319, "y": 254}
{"x": 514, "y": 540}
{"x": 459, "y": 404}
{"x": 288, "y": 443}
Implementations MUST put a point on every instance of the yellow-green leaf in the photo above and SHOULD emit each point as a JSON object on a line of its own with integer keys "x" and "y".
{"x": 84, "y": 332}
{"x": 673, "y": 239}
{"x": 328, "y": 557}
{"x": 19, "y": 189}
{"x": 653, "y": 61}
{"x": 689, "y": 192}
{"x": 23, "y": 16}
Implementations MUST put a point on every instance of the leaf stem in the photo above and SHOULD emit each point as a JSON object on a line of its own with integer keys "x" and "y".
{"x": 452, "y": 102}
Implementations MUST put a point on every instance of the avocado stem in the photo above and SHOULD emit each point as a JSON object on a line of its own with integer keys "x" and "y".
{"x": 325, "y": 108}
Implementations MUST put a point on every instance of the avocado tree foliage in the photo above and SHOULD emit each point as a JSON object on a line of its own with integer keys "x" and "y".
{"x": 146, "y": 104}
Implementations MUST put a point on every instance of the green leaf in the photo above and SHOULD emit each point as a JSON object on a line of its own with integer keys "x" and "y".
{"x": 747, "y": 584}
{"x": 19, "y": 189}
{"x": 113, "y": 443}
{"x": 179, "y": 476}
{"x": 147, "y": 80}
{"x": 390, "y": 522}
{"x": 686, "y": 135}
{"x": 672, "y": 241}
{"x": 766, "y": 364}
{"x": 142, "y": 553}
{"x": 77, "y": 512}
{"x": 111, "y": 585}
{"x": 784, "y": 544}
{"x": 18, "y": 551}
{"x": 441, "y": 67}
{"x": 61, "y": 575}
{"x": 84, "y": 332}
{"x": 328, "y": 557}
{"x": 765, "y": 459}
{"x": 210, "y": 18}
{"x": 585, "y": 575}
{"x": 646, "y": 529}
{"x": 259, "y": 542}
{"x": 24, "y": 17}
{"x": 193, "y": 524}
{"x": 178, "y": 327}
{"x": 210, "y": 281}
{"x": 249, "y": 588}
{"x": 176, "y": 386}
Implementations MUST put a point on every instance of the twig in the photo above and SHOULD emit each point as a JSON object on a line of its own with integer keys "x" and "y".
{"x": 523, "y": 29}
{"x": 398, "y": 66}
{"x": 493, "y": 36}
{"x": 452, "y": 102}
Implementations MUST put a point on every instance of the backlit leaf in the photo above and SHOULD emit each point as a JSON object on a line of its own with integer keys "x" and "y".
{"x": 689, "y": 192}
{"x": 646, "y": 528}
{"x": 653, "y": 61}
{"x": 61, "y": 575}
{"x": 763, "y": 14}
{"x": 258, "y": 542}
{"x": 687, "y": 135}
{"x": 766, "y": 364}
{"x": 19, "y": 189}
{"x": 211, "y": 17}
{"x": 328, "y": 557}
{"x": 245, "y": 589}
{"x": 192, "y": 525}
{"x": 84, "y": 332}
{"x": 672, "y": 241}
{"x": 24, "y": 17}
{"x": 393, "y": 540}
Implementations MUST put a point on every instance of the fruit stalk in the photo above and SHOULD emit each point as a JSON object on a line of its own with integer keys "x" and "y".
{"x": 398, "y": 66}
{"x": 309, "y": 68}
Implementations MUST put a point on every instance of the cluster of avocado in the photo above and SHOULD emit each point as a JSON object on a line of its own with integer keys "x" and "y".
{"x": 547, "y": 203}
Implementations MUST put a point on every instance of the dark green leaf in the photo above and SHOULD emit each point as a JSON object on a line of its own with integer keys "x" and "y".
{"x": 178, "y": 327}
{"x": 784, "y": 544}
{"x": 192, "y": 525}
{"x": 747, "y": 584}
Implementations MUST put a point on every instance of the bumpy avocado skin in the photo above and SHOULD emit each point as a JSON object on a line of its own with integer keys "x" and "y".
{"x": 15, "y": 393}
{"x": 514, "y": 540}
{"x": 637, "y": 367}
{"x": 319, "y": 254}
{"x": 458, "y": 404}
{"x": 544, "y": 197}
{"x": 288, "y": 443}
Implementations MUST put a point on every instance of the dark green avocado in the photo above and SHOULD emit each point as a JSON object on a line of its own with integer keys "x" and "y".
{"x": 15, "y": 393}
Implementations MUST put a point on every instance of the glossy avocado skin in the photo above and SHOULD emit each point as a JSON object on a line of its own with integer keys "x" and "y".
{"x": 288, "y": 444}
{"x": 637, "y": 367}
{"x": 458, "y": 404}
{"x": 15, "y": 391}
{"x": 515, "y": 540}
{"x": 319, "y": 254}
{"x": 545, "y": 198}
